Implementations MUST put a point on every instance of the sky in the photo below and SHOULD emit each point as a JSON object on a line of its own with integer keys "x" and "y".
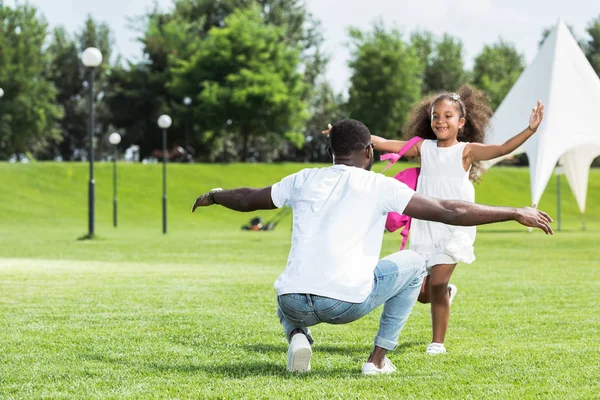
{"x": 475, "y": 22}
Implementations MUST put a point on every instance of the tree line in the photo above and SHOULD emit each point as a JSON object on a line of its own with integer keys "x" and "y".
{"x": 253, "y": 70}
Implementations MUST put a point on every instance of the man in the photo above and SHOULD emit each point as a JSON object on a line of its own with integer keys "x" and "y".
{"x": 333, "y": 273}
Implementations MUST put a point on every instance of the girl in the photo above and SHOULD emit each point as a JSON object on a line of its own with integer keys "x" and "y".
{"x": 453, "y": 126}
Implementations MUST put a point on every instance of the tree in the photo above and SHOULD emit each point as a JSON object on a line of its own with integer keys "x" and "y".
{"x": 423, "y": 43}
{"x": 138, "y": 92}
{"x": 243, "y": 72}
{"x": 445, "y": 70}
{"x": 70, "y": 78}
{"x": 65, "y": 72}
{"x": 300, "y": 28}
{"x": 170, "y": 38}
{"x": 592, "y": 46}
{"x": 98, "y": 35}
{"x": 28, "y": 113}
{"x": 385, "y": 81}
{"x": 326, "y": 107}
{"x": 496, "y": 70}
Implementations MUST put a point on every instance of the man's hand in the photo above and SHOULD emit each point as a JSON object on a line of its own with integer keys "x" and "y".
{"x": 532, "y": 217}
{"x": 202, "y": 201}
{"x": 240, "y": 199}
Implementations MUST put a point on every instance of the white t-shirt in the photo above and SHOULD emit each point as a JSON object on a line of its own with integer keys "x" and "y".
{"x": 339, "y": 219}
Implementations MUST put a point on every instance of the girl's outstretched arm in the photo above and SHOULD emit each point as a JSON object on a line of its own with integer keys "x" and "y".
{"x": 388, "y": 145}
{"x": 394, "y": 146}
{"x": 481, "y": 152}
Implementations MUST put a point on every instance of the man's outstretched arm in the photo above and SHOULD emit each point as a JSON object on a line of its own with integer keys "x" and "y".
{"x": 463, "y": 213}
{"x": 242, "y": 199}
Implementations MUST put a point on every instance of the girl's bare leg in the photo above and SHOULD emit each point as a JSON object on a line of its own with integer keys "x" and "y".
{"x": 440, "y": 300}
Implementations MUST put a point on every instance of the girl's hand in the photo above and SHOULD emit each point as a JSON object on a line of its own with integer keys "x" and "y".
{"x": 537, "y": 114}
{"x": 326, "y": 132}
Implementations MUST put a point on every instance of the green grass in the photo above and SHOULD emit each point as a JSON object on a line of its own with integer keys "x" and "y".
{"x": 136, "y": 314}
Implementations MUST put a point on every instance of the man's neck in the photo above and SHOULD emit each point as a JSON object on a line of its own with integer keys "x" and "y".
{"x": 347, "y": 161}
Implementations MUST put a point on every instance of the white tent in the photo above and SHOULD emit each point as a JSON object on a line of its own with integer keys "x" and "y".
{"x": 563, "y": 79}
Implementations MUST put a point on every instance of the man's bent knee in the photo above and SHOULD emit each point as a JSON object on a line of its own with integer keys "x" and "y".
{"x": 407, "y": 259}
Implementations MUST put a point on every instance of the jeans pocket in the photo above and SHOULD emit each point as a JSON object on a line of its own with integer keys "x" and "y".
{"x": 290, "y": 310}
{"x": 344, "y": 313}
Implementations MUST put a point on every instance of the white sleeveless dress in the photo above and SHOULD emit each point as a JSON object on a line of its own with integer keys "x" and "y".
{"x": 443, "y": 176}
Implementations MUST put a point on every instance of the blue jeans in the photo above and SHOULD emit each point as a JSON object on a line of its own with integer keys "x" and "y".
{"x": 396, "y": 284}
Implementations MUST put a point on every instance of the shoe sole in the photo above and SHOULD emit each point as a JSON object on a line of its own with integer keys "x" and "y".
{"x": 435, "y": 353}
{"x": 453, "y": 293}
{"x": 370, "y": 369}
{"x": 300, "y": 360}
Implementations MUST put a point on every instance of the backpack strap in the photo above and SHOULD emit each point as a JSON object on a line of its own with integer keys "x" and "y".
{"x": 393, "y": 157}
{"x": 404, "y": 234}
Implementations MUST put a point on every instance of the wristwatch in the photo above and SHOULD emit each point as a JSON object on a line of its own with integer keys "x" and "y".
{"x": 211, "y": 195}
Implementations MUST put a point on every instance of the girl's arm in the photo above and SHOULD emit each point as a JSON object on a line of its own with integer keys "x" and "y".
{"x": 388, "y": 145}
{"x": 394, "y": 146}
{"x": 481, "y": 152}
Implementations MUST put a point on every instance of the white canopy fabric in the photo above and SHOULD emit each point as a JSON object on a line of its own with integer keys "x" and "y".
{"x": 563, "y": 79}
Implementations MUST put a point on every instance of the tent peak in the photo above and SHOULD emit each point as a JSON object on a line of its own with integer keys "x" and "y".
{"x": 562, "y": 77}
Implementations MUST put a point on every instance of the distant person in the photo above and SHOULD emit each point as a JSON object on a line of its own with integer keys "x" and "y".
{"x": 453, "y": 126}
{"x": 333, "y": 273}
{"x": 177, "y": 154}
{"x": 255, "y": 224}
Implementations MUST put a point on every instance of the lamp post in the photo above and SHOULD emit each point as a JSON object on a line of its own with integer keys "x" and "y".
{"x": 164, "y": 122}
{"x": 91, "y": 58}
{"x": 1, "y": 92}
{"x": 187, "y": 101}
{"x": 115, "y": 139}
{"x": 558, "y": 171}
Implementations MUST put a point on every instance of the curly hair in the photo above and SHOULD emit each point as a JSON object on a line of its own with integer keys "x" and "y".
{"x": 473, "y": 105}
{"x": 349, "y": 135}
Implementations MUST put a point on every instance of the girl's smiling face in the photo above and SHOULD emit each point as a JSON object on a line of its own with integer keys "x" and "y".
{"x": 446, "y": 119}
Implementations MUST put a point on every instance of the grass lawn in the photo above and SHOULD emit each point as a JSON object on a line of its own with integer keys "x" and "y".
{"x": 136, "y": 314}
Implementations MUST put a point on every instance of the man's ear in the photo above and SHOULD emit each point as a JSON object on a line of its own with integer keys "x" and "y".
{"x": 330, "y": 152}
{"x": 370, "y": 152}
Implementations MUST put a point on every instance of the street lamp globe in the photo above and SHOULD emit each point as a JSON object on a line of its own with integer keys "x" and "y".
{"x": 114, "y": 138}
{"x": 187, "y": 100}
{"x": 1, "y": 92}
{"x": 164, "y": 121}
{"x": 91, "y": 57}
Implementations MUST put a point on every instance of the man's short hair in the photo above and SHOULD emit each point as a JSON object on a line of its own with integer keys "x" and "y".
{"x": 348, "y": 136}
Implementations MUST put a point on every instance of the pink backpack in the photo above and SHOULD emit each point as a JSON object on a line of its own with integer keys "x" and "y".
{"x": 409, "y": 176}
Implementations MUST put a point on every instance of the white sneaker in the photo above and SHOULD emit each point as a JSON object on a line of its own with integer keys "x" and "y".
{"x": 371, "y": 369}
{"x": 435, "y": 348}
{"x": 299, "y": 354}
{"x": 452, "y": 290}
